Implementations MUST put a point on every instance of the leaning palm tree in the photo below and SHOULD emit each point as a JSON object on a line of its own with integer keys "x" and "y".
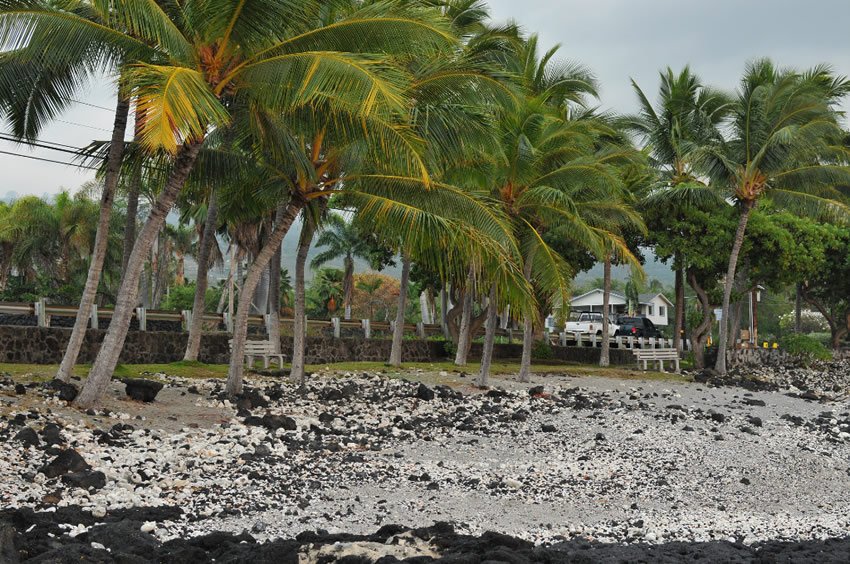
{"x": 200, "y": 58}
{"x": 784, "y": 145}
{"x": 686, "y": 117}
{"x": 343, "y": 240}
{"x": 52, "y": 53}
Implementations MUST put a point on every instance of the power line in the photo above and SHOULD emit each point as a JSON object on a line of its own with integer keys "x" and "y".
{"x": 43, "y": 145}
{"x": 33, "y": 157}
{"x": 88, "y": 104}
{"x": 84, "y": 125}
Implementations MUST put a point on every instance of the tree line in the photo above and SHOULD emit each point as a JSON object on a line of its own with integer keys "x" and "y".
{"x": 459, "y": 146}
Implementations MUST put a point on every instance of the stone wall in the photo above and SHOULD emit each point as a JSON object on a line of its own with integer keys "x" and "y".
{"x": 39, "y": 345}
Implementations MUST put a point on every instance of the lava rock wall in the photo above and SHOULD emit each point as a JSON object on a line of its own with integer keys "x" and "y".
{"x": 46, "y": 345}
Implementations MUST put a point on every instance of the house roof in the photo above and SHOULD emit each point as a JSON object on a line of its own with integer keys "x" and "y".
{"x": 597, "y": 291}
{"x": 642, "y": 298}
{"x": 647, "y": 298}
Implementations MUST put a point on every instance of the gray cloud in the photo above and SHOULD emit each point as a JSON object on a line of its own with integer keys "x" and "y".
{"x": 617, "y": 39}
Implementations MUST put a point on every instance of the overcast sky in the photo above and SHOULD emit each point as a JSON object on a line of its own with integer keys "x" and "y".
{"x": 617, "y": 39}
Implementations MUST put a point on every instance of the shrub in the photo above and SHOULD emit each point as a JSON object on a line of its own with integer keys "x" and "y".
{"x": 805, "y": 347}
{"x": 542, "y": 350}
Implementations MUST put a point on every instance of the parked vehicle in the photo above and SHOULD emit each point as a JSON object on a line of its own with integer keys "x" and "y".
{"x": 589, "y": 323}
{"x": 636, "y": 327}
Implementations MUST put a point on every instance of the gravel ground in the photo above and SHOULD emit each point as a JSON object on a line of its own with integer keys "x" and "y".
{"x": 559, "y": 462}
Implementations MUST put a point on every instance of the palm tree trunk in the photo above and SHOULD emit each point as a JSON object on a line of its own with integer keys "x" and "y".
{"x": 101, "y": 240}
{"x": 299, "y": 329}
{"x": 489, "y": 339}
{"x": 286, "y": 214}
{"x": 274, "y": 300}
{"x": 260, "y": 302}
{"x": 527, "y": 334}
{"x": 720, "y": 366}
{"x": 679, "y": 323}
{"x": 348, "y": 286}
{"x": 604, "y": 353}
{"x": 104, "y": 365}
{"x": 444, "y": 310}
{"x": 196, "y": 328}
{"x": 464, "y": 333}
{"x": 398, "y": 330}
{"x": 132, "y": 216}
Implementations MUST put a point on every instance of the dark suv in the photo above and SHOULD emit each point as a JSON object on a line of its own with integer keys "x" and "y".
{"x": 636, "y": 327}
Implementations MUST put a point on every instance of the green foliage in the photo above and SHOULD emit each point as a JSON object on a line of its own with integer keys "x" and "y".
{"x": 542, "y": 350}
{"x": 805, "y": 347}
{"x": 183, "y": 297}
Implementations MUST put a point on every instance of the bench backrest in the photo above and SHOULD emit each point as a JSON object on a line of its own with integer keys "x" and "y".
{"x": 656, "y": 354}
{"x": 256, "y": 347}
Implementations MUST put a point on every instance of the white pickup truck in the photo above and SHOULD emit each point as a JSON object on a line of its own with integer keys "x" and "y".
{"x": 589, "y": 324}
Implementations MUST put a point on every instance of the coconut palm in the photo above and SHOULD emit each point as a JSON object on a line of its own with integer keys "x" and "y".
{"x": 686, "y": 117}
{"x": 53, "y": 53}
{"x": 343, "y": 240}
{"x": 547, "y": 167}
{"x": 784, "y": 145}
{"x": 199, "y": 58}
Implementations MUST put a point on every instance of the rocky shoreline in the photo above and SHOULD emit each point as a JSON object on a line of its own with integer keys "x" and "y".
{"x": 567, "y": 469}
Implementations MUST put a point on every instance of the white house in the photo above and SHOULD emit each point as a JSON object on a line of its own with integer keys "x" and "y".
{"x": 655, "y": 307}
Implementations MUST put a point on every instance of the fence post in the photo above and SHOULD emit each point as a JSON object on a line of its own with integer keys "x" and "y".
{"x": 187, "y": 319}
{"x": 228, "y": 321}
{"x": 93, "y": 319}
{"x": 642, "y": 342}
{"x": 142, "y": 316}
{"x": 652, "y": 342}
{"x": 618, "y": 340}
{"x": 631, "y": 342}
{"x": 510, "y": 335}
{"x": 420, "y": 330}
{"x": 563, "y": 338}
{"x": 593, "y": 340}
{"x": 367, "y": 328}
{"x": 336, "y": 326}
{"x": 578, "y": 339}
{"x": 41, "y": 313}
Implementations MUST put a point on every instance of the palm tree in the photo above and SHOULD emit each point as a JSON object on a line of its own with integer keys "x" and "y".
{"x": 687, "y": 116}
{"x": 206, "y": 243}
{"x": 62, "y": 49}
{"x": 548, "y": 168}
{"x": 202, "y": 57}
{"x": 784, "y": 145}
{"x": 181, "y": 243}
{"x": 345, "y": 240}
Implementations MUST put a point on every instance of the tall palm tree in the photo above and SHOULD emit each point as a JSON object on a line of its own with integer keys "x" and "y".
{"x": 784, "y": 145}
{"x": 200, "y": 57}
{"x": 547, "y": 166}
{"x": 345, "y": 240}
{"x": 686, "y": 117}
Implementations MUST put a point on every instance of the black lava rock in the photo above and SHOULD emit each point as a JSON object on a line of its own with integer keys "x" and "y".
{"x": 86, "y": 479}
{"x": 68, "y": 461}
{"x": 536, "y": 391}
{"x": 142, "y": 390}
{"x": 27, "y": 437}
{"x": 52, "y": 434}
{"x": 66, "y": 391}
{"x": 275, "y": 422}
{"x": 424, "y": 393}
{"x": 548, "y": 428}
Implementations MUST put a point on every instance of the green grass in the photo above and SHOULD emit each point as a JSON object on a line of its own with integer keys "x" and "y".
{"x": 183, "y": 369}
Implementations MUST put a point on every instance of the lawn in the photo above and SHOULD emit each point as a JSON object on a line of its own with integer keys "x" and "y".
{"x": 199, "y": 370}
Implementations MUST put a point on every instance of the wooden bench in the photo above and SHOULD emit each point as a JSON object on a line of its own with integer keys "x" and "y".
{"x": 657, "y": 355}
{"x": 263, "y": 349}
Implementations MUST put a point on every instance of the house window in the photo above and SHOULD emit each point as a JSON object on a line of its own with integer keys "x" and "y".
{"x": 661, "y": 311}
{"x": 649, "y": 309}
